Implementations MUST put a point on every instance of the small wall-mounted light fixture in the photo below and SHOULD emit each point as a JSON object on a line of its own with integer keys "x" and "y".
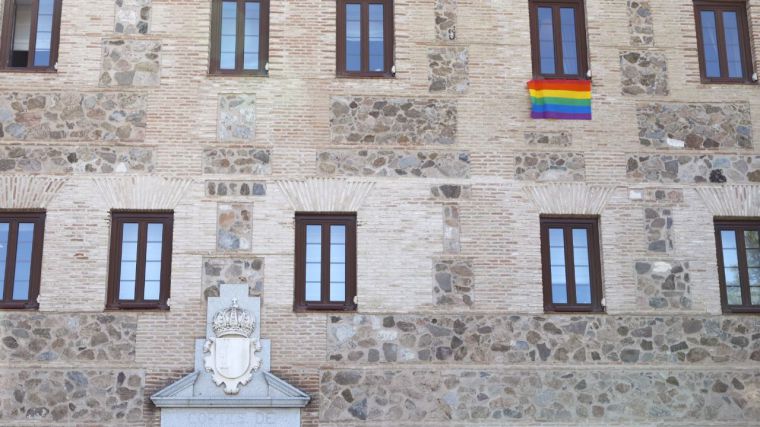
{"x": 588, "y": 74}
{"x": 754, "y": 77}
{"x": 452, "y": 33}
{"x": 266, "y": 66}
{"x": 393, "y": 69}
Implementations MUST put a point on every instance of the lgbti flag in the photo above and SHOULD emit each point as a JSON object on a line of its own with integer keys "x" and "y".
{"x": 560, "y": 99}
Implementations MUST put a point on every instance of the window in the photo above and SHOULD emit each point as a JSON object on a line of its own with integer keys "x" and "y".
{"x": 141, "y": 259}
{"x": 240, "y": 37}
{"x": 739, "y": 265}
{"x": 558, "y": 39}
{"x": 30, "y": 35}
{"x": 723, "y": 41}
{"x": 571, "y": 264}
{"x": 325, "y": 261}
{"x": 365, "y": 38}
{"x": 20, "y": 258}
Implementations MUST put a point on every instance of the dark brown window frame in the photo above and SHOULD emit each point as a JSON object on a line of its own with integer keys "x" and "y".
{"x": 216, "y": 34}
{"x": 119, "y": 217}
{"x": 332, "y": 218}
{"x": 388, "y": 40}
{"x": 581, "y": 38}
{"x": 35, "y": 274}
{"x": 735, "y": 224}
{"x": 566, "y": 222}
{"x": 6, "y": 39}
{"x": 740, "y": 7}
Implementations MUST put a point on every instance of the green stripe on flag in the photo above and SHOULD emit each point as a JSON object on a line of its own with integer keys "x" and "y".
{"x": 561, "y": 101}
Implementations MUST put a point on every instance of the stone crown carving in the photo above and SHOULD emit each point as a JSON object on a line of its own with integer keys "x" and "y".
{"x": 233, "y": 320}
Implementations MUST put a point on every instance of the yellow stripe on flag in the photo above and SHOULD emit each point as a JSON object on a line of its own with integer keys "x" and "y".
{"x": 560, "y": 94}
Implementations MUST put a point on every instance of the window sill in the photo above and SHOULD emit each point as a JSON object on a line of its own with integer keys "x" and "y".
{"x": 574, "y": 310}
{"x": 135, "y": 307}
{"x": 728, "y": 82}
{"x": 238, "y": 74}
{"x": 741, "y": 310}
{"x": 20, "y": 306}
{"x": 365, "y": 75}
{"x": 579, "y": 78}
{"x": 29, "y": 70}
{"x": 325, "y": 309}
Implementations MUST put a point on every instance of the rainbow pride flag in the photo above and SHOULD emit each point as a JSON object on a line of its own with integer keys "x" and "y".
{"x": 560, "y": 99}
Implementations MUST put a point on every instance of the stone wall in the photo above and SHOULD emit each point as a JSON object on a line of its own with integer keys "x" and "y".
{"x": 453, "y": 283}
{"x": 237, "y": 117}
{"x": 541, "y": 340}
{"x": 234, "y": 227}
{"x": 244, "y": 161}
{"x": 664, "y": 285}
{"x": 420, "y": 164}
{"x": 550, "y": 167}
{"x": 644, "y": 73}
{"x": 72, "y": 116}
{"x": 393, "y": 121}
{"x": 641, "y": 22}
{"x": 445, "y": 19}
{"x": 131, "y": 63}
{"x": 235, "y": 188}
{"x": 695, "y": 126}
{"x": 218, "y": 271}
{"x": 504, "y": 396}
{"x": 34, "y": 159}
{"x": 448, "y": 69}
{"x": 686, "y": 169}
{"x": 132, "y": 16}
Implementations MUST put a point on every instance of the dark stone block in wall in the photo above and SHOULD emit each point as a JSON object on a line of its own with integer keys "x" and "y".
{"x": 695, "y": 126}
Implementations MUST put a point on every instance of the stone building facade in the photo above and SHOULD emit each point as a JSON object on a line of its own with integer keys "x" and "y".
{"x": 448, "y": 176}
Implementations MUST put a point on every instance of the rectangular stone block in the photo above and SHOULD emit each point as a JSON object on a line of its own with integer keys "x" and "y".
{"x": 560, "y": 166}
{"x": 41, "y": 337}
{"x": 695, "y": 126}
{"x": 392, "y": 121}
{"x": 132, "y": 16}
{"x": 659, "y": 229}
{"x": 664, "y": 285}
{"x": 237, "y": 117}
{"x": 445, "y": 19}
{"x": 129, "y": 63}
{"x": 644, "y": 73}
{"x": 448, "y": 70}
{"x": 38, "y": 159}
{"x": 538, "y": 340}
{"x": 502, "y": 396}
{"x": 76, "y": 396}
{"x": 415, "y": 164}
{"x": 641, "y": 22}
{"x": 242, "y": 161}
{"x": 562, "y": 139}
{"x": 73, "y": 116}
{"x": 453, "y": 283}
{"x": 686, "y": 169}
{"x": 219, "y": 271}
{"x": 451, "y": 230}
{"x": 235, "y": 188}
{"x": 234, "y": 227}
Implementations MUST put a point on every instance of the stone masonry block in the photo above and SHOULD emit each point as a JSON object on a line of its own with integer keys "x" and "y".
{"x": 449, "y": 192}
{"x": 37, "y": 159}
{"x": 243, "y": 161}
{"x": 550, "y": 167}
{"x": 392, "y": 121}
{"x": 419, "y": 164}
{"x": 131, "y": 63}
{"x": 235, "y": 188}
{"x": 641, "y": 22}
{"x": 445, "y": 19}
{"x": 448, "y": 70}
{"x": 644, "y": 73}
{"x": 695, "y": 126}
{"x": 237, "y": 117}
{"x": 659, "y": 229}
{"x": 219, "y": 271}
{"x": 664, "y": 285}
{"x": 451, "y": 230}
{"x": 562, "y": 139}
{"x": 132, "y": 16}
{"x": 686, "y": 169}
{"x": 73, "y": 116}
{"x": 453, "y": 283}
{"x": 234, "y": 227}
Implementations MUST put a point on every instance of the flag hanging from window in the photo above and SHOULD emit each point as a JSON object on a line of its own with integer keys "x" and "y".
{"x": 560, "y": 99}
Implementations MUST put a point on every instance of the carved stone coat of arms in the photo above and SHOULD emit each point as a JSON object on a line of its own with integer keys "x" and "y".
{"x": 231, "y": 355}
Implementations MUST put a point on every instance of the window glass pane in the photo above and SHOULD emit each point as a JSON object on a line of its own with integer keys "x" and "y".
{"x": 4, "y": 230}
{"x": 569, "y": 45}
{"x": 557, "y": 263}
{"x": 728, "y": 239}
{"x": 229, "y": 35}
{"x": 582, "y": 272}
{"x": 251, "y": 42}
{"x": 128, "y": 261}
{"x": 337, "y": 263}
{"x": 44, "y": 34}
{"x": 353, "y": 37}
{"x": 21, "y": 33}
{"x": 152, "y": 290}
{"x": 546, "y": 40}
{"x": 732, "y": 276}
{"x": 734, "y": 294}
{"x": 313, "y": 263}
{"x": 754, "y": 276}
{"x": 710, "y": 43}
{"x": 23, "y": 261}
{"x": 376, "y": 59}
{"x": 754, "y": 295}
{"x": 733, "y": 48}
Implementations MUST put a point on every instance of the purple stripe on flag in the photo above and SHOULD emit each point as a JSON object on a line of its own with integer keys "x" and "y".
{"x": 559, "y": 116}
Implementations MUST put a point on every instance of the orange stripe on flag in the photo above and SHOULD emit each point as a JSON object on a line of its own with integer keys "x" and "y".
{"x": 573, "y": 85}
